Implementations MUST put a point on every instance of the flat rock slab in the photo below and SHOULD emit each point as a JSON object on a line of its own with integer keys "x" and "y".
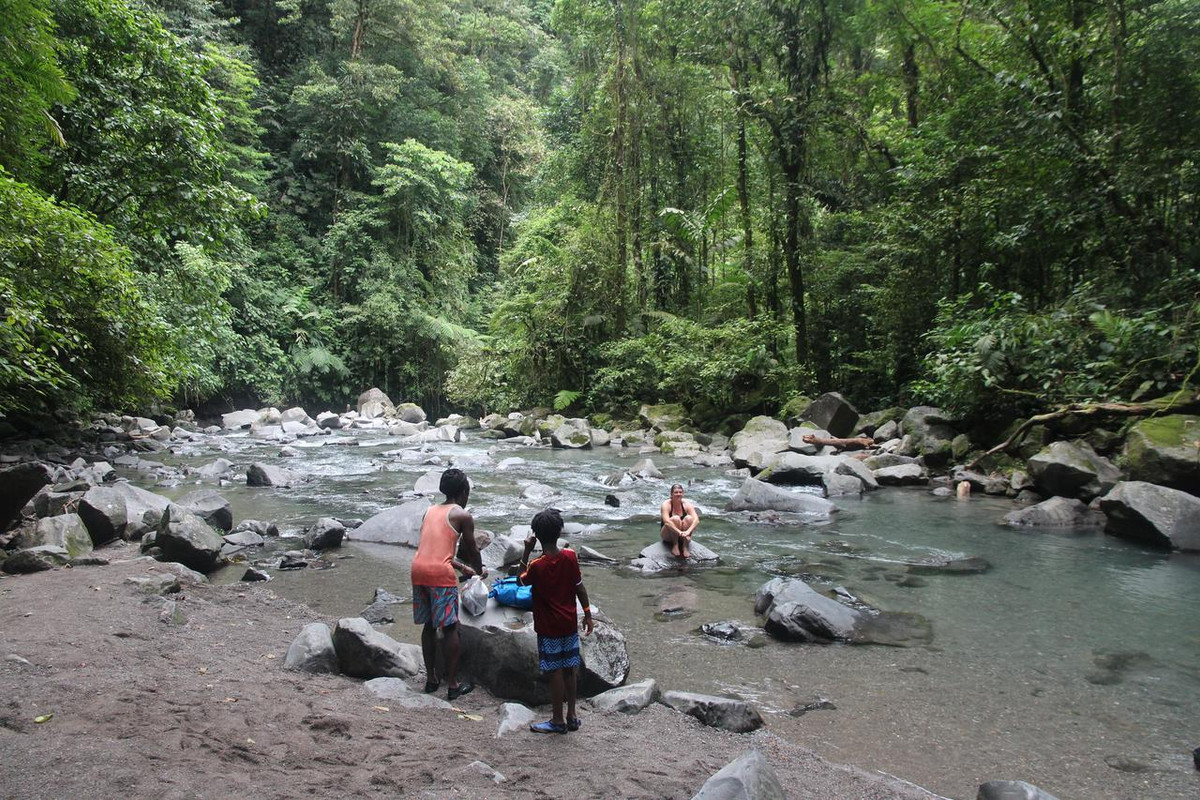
{"x": 725, "y": 713}
{"x": 657, "y": 558}
{"x": 398, "y": 525}
{"x": 396, "y": 692}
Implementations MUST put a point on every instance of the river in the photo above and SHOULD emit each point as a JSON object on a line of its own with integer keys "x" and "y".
{"x": 1073, "y": 663}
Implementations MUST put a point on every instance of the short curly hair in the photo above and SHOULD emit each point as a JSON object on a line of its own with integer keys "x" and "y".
{"x": 454, "y": 483}
{"x": 547, "y": 525}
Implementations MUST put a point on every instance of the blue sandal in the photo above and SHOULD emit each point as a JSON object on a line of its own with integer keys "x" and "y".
{"x": 573, "y": 723}
{"x": 547, "y": 727}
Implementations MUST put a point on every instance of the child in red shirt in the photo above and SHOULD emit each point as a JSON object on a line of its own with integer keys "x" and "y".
{"x": 556, "y": 583}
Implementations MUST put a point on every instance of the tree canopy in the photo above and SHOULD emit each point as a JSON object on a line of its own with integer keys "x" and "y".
{"x": 485, "y": 204}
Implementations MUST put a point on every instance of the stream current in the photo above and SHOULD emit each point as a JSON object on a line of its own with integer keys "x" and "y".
{"x": 1073, "y": 663}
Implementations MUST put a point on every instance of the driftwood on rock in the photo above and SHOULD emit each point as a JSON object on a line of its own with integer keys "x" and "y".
{"x": 1175, "y": 404}
{"x": 854, "y": 443}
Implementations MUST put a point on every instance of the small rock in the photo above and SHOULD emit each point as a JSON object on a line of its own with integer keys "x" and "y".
{"x": 252, "y": 574}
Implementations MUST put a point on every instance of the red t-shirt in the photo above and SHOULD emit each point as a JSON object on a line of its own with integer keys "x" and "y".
{"x": 554, "y": 579}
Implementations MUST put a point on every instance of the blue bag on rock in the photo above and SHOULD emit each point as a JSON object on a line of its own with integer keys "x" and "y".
{"x": 509, "y": 593}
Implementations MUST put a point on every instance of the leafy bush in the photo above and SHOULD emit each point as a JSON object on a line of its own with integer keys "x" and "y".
{"x": 999, "y": 357}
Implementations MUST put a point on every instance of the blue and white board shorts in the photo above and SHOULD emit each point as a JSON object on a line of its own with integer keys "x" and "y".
{"x": 558, "y": 652}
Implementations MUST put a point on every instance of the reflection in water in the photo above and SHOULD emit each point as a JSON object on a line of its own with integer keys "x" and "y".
{"x": 1064, "y": 631}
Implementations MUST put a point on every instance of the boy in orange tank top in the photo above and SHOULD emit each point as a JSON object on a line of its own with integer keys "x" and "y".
{"x": 447, "y": 531}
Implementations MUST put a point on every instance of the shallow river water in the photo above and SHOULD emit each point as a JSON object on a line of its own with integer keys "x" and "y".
{"x": 1073, "y": 663}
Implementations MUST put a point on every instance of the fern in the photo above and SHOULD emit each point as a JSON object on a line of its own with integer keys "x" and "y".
{"x": 564, "y": 399}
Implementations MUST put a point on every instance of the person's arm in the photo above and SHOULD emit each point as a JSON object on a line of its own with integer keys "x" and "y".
{"x": 530, "y": 542}
{"x": 469, "y": 561}
{"x": 664, "y": 513}
{"x": 694, "y": 519}
{"x": 582, "y": 595}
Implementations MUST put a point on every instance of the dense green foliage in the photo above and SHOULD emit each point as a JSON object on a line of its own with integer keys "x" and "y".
{"x": 490, "y": 204}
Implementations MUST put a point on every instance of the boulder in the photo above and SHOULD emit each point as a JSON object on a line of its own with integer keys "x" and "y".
{"x": 363, "y": 652}
{"x": 833, "y": 413}
{"x": 645, "y": 468}
{"x": 901, "y": 475}
{"x": 756, "y": 495}
{"x": 664, "y": 417}
{"x": 188, "y": 539}
{"x": 657, "y": 557}
{"x": 539, "y": 492}
{"x": 65, "y": 530}
{"x": 1057, "y": 512}
{"x": 216, "y": 469}
{"x": 627, "y": 699}
{"x": 499, "y": 650}
{"x": 120, "y": 512}
{"x": 261, "y": 474}
{"x": 929, "y": 434}
{"x": 411, "y": 412}
{"x": 514, "y": 717}
{"x": 398, "y": 525}
{"x": 1162, "y": 450}
{"x": 382, "y": 608}
{"x": 312, "y": 650}
{"x": 1154, "y": 515}
{"x": 725, "y": 713}
{"x": 325, "y": 534}
{"x": 210, "y": 507}
{"x": 18, "y": 485}
{"x": 36, "y": 559}
{"x": 757, "y": 440}
{"x": 244, "y": 538}
{"x": 239, "y": 420}
{"x": 1011, "y": 790}
{"x": 373, "y": 404}
{"x": 296, "y": 414}
{"x": 1072, "y": 469}
{"x": 572, "y": 434}
{"x": 797, "y": 469}
{"x": 327, "y": 420}
{"x": 796, "y": 612}
{"x": 748, "y": 777}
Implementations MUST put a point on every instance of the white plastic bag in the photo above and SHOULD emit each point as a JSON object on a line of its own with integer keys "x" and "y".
{"x": 474, "y": 596}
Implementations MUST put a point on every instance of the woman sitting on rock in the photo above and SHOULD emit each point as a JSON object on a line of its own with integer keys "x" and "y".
{"x": 679, "y": 521}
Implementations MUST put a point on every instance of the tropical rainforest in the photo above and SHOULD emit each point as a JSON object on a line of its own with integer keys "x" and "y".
{"x": 988, "y": 205}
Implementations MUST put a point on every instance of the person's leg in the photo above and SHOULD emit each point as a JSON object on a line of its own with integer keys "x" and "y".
{"x": 569, "y": 685}
{"x": 429, "y": 654}
{"x": 557, "y": 690}
{"x": 451, "y": 648}
{"x": 670, "y": 539}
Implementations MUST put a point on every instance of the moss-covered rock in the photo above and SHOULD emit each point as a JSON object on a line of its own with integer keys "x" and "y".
{"x": 1165, "y": 451}
{"x": 663, "y": 417}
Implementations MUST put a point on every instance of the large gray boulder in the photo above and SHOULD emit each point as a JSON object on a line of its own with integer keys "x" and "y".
{"x": 261, "y": 474}
{"x": 664, "y": 417}
{"x": 760, "y": 438}
{"x": 1057, "y": 512}
{"x": 725, "y": 713}
{"x": 36, "y": 559}
{"x": 572, "y": 434}
{"x": 188, "y": 539}
{"x": 929, "y": 434}
{"x": 901, "y": 475}
{"x": 312, "y": 650}
{"x": 657, "y": 557}
{"x": 756, "y": 495}
{"x": 18, "y": 485}
{"x": 1162, "y": 450}
{"x": 796, "y": 612}
{"x": 215, "y": 469}
{"x": 1072, "y": 469}
{"x": 210, "y": 507}
{"x": 325, "y": 534}
{"x": 119, "y": 512}
{"x": 374, "y": 403}
{"x": 65, "y": 530}
{"x": 1011, "y": 790}
{"x": 1155, "y": 515}
{"x": 398, "y": 525}
{"x": 797, "y": 469}
{"x": 411, "y": 412}
{"x": 238, "y": 420}
{"x": 834, "y": 413}
{"x": 628, "y": 699}
{"x": 363, "y": 652}
{"x": 748, "y": 777}
{"x": 499, "y": 651}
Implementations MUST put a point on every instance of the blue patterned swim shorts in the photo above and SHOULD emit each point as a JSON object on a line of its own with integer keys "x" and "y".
{"x": 558, "y": 652}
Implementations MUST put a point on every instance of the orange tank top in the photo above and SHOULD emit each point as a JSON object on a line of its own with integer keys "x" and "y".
{"x": 439, "y": 543}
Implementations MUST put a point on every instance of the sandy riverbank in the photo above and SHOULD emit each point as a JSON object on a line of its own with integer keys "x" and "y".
{"x": 202, "y": 708}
